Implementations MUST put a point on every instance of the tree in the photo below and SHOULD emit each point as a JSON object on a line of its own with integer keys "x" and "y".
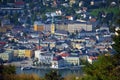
{"x": 116, "y": 57}
{"x": 6, "y": 70}
{"x": 100, "y": 70}
{"x": 9, "y": 69}
{"x": 44, "y": 17}
{"x": 116, "y": 39}
{"x": 53, "y": 75}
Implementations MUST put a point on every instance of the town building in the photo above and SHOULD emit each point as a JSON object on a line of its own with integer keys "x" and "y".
{"x": 43, "y": 57}
{"x": 38, "y": 26}
{"x": 11, "y": 10}
{"x": 57, "y": 62}
{"x": 7, "y": 56}
{"x": 23, "y": 53}
{"x": 74, "y": 26}
{"x": 72, "y": 60}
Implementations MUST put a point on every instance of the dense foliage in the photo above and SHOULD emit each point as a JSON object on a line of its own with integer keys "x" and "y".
{"x": 104, "y": 69}
{"x": 53, "y": 75}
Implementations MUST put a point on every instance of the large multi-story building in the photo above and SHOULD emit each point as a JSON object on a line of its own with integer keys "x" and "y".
{"x": 79, "y": 26}
{"x": 67, "y": 26}
{"x": 72, "y": 27}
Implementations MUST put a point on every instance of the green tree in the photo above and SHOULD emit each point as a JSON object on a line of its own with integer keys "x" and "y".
{"x": 44, "y": 17}
{"x": 9, "y": 69}
{"x": 116, "y": 39}
{"x": 100, "y": 70}
{"x": 53, "y": 75}
{"x": 6, "y": 70}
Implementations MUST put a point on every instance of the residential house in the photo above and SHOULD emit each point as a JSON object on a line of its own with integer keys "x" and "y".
{"x": 90, "y": 42}
{"x": 57, "y": 62}
{"x": 19, "y": 3}
{"x": 69, "y": 17}
{"x": 72, "y": 60}
{"x": 77, "y": 45}
{"x": 72, "y": 2}
{"x": 34, "y": 40}
{"x": 45, "y": 58}
{"x": 92, "y": 59}
{"x": 7, "y": 56}
{"x": 5, "y": 25}
{"x": 2, "y": 44}
{"x": 38, "y": 53}
{"x": 50, "y": 43}
{"x": 84, "y": 33}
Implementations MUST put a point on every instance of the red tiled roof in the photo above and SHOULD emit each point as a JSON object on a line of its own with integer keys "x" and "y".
{"x": 39, "y": 47}
{"x": 93, "y": 58}
{"x": 19, "y": 3}
{"x": 92, "y": 20}
{"x": 3, "y": 43}
{"x": 64, "y": 54}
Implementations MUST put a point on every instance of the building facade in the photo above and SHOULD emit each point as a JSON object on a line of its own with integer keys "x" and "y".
{"x": 7, "y": 55}
{"x": 72, "y": 61}
{"x": 23, "y": 53}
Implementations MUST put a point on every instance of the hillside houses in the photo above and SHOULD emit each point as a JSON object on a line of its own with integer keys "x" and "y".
{"x": 52, "y": 38}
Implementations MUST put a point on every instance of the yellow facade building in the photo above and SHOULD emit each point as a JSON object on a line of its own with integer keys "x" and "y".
{"x": 23, "y": 53}
{"x": 38, "y": 27}
{"x": 28, "y": 53}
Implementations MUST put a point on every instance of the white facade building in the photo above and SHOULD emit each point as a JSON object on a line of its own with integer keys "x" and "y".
{"x": 72, "y": 61}
{"x": 43, "y": 57}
